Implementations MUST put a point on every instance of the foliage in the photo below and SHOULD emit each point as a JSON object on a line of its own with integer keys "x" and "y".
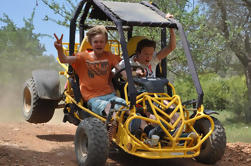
{"x": 229, "y": 93}
{"x": 65, "y": 9}
{"x": 218, "y": 32}
{"x": 236, "y": 97}
{"x": 231, "y": 21}
{"x": 184, "y": 88}
{"x": 20, "y": 53}
{"x": 207, "y": 43}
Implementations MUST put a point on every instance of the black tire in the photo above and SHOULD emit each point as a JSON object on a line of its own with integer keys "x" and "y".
{"x": 91, "y": 143}
{"x": 36, "y": 110}
{"x": 214, "y": 147}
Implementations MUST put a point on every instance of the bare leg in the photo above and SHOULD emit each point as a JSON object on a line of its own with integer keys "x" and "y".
{"x": 107, "y": 108}
{"x": 143, "y": 124}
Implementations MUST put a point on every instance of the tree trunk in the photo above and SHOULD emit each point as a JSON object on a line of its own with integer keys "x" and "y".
{"x": 238, "y": 39}
{"x": 248, "y": 82}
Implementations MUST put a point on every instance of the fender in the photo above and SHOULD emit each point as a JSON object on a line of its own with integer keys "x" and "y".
{"x": 47, "y": 84}
{"x": 210, "y": 112}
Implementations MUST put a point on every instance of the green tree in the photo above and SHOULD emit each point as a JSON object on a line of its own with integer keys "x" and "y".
{"x": 65, "y": 9}
{"x": 20, "y": 50}
{"x": 20, "y": 53}
{"x": 209, "y": 46}
{"x": 231, "y": 21}
{"x": 191, "y": 19}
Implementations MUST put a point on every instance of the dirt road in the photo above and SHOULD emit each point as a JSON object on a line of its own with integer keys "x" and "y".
{"x": 25, "y": 144}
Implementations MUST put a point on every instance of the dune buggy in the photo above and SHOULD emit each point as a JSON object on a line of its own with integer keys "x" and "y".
{"x": 95, "y": 135}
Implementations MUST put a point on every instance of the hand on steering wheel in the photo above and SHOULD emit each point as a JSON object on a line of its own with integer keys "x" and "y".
{"x": 139, "y": 72}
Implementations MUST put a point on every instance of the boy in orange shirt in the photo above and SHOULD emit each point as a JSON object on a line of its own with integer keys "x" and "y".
{"x": 93, "y": 69}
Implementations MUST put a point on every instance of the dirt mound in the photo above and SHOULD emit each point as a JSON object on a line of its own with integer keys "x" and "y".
{"x": 26, "y": 144}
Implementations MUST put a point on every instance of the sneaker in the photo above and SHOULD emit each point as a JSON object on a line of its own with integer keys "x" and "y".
{"x": 153, "y": 141}
{"x": 157, "y": 131}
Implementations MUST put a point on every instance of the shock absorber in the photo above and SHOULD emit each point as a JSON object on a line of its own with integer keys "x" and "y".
{"x": 111, "y": 126}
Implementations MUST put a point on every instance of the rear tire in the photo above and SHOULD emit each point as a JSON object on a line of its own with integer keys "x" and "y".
{"x": 213, "y": 148}
{"x": 36, "y": 110}
{"x": 91, "y": 143}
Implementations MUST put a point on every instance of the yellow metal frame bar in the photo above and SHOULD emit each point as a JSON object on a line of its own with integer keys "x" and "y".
{"x": 127, "y": 141}
{"x": 83, "y": 108}
{"x": 115, "y": 47}
{"x": 136, "y": 146}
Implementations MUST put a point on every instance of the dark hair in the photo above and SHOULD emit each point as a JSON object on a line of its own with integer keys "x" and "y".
{"x": 145, "y": 43}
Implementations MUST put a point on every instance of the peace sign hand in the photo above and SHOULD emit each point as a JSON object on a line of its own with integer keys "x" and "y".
{"x": 58, "y": 42}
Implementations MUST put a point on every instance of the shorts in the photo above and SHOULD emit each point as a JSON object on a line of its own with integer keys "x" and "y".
{"x": 98, "y": 104}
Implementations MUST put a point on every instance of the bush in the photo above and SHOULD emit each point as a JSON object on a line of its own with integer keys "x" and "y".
{"x": 184, "y": 88}
{"x": 229, "y": 93}
{"x": 215, "y": 91}
{"x": 237, "y": 96}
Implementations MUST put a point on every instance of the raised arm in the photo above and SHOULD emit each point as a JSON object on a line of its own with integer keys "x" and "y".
{"x": 61, "y": 56}
{"x": 172, "y": 42}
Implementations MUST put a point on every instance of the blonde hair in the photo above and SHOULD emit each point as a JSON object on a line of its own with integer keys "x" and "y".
{"x": 96, "y": 30}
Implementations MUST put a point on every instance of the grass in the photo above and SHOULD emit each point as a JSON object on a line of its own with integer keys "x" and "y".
{"x": 236, "y": 131}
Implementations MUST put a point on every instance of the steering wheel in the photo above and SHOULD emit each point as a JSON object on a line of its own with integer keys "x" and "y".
{"x": 117, "y": 78}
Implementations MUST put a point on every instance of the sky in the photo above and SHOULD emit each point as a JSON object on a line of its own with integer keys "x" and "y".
{"x": 17, "y": 10}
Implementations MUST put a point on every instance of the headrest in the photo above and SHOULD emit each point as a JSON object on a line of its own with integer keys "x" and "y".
{"x": 132, "y": 44}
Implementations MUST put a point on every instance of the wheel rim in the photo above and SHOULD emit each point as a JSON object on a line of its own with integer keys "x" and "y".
{"x": 27, "y": 100}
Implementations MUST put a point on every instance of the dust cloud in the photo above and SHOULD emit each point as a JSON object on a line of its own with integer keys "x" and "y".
{"x": 11, "y": 106}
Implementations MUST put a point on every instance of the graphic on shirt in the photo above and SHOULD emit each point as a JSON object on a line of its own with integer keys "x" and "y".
{"x": 149, "y": 71}
{"x": 98, "y": 68}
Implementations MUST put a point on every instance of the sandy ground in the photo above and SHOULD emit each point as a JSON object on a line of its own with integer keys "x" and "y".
{"x": 25, "y": 144}
{"x": 51, "y": 144}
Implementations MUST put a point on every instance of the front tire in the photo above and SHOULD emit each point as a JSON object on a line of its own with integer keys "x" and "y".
{"x": 91, "y": 143}
{"x": 36, "y": 110}
{"x": 213, "y": 148}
